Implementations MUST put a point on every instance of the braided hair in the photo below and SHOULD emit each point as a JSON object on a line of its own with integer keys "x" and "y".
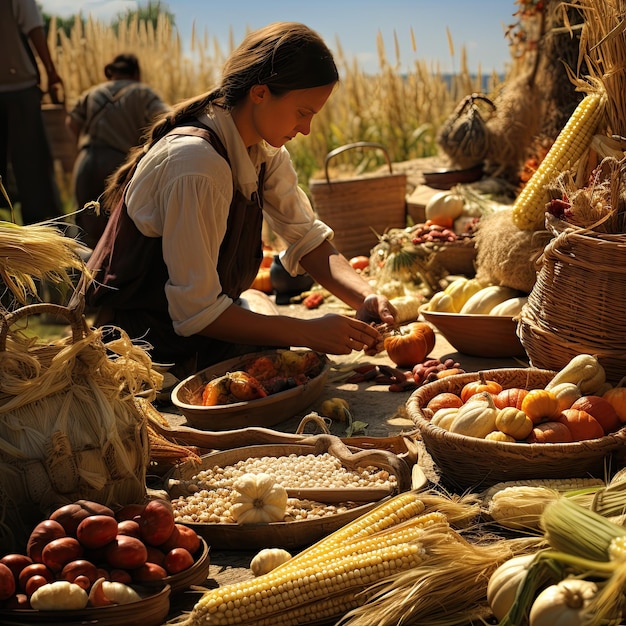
{"x": 284, "y": 56}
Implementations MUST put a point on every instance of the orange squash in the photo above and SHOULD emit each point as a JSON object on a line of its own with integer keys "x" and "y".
{"x": 478, "y": 386}
{"x": 550, "y": 432}
{"x": 444, "y": 400}
{"x": 510, "y": 397}
{"x": 540, "y": 405}
{"x": 582, "y": 425}
{"x": 411, "y": 344}
{"x": 601, "y": 409}
{"x": 262, "y": 281}
{"x": 617, "y": 398}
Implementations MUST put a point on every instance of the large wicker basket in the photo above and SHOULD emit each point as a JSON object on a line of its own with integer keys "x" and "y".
{"x": 361, "y": 208}
{"x": 577, "y": 304}
{"x": 62, "y": 437}
{"x": 473, "y": 463}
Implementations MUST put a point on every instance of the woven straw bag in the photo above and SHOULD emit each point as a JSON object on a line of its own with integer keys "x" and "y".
{"x": 362, "y": 208}
{"x": 70, "y": 427}
{"x": 577, "y": 303}
{"x": 473, "y": 463}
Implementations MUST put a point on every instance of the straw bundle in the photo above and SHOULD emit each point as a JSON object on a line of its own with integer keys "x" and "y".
{"x": 70, "y": 427}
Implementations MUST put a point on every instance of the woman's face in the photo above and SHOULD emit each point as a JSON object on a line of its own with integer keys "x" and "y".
{"x": 277, "y": 119}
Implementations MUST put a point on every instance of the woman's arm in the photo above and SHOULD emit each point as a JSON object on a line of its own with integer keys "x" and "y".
{"x": 333, "y": 271}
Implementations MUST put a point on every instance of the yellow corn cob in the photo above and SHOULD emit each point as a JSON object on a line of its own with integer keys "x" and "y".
{"x": 344, "y": 561}
{"x": 519, "y": 504}
{"x": 569, "y": 146}
{"x": 562, "y": 485}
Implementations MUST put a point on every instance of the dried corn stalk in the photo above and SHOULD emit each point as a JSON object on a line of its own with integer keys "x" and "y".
{"x": 69, "y": 424}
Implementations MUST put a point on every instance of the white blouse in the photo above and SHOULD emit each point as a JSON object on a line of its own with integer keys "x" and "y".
{"x": 182, "y": 191}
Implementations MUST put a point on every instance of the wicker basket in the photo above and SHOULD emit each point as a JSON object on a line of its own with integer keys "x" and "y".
{"x": 577, "y": 304}
{"x": 362, "y": 208}
{"x": 71, "y": 454}
{"x": 473, "y": 463}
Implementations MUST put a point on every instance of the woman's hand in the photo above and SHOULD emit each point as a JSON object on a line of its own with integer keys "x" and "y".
{"x": 376, "y": 308}
{"x": 339, "y": 334}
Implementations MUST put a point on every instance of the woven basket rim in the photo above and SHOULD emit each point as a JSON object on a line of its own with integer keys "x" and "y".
{"x": 488, "y": 446}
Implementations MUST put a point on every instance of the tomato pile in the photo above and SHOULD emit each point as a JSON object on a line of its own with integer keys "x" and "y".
{"x": 86, "y": 541}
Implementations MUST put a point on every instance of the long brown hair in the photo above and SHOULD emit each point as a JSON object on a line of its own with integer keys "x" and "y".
{"x": 284, "y": 56}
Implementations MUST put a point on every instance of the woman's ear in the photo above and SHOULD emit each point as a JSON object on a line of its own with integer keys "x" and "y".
{"x": 258, "y": 93}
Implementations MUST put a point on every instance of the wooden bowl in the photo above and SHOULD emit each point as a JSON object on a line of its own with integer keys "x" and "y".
{"x": 444, "y": 178}
{"x": 292, "y": 534}
{"x": 478, "y": 335}
{"x": 268, "y": 411}
{"x": 151, "y": 610}
{"x": 194, "y": 575}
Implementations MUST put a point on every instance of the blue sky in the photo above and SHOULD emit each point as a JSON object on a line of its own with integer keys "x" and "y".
{"x": 477, "y": 26}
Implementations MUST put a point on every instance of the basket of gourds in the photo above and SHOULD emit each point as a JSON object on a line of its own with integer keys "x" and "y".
{"x": 507, "y": 424}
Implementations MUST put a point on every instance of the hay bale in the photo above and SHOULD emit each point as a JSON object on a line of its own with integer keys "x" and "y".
{"x": 505, "y": 255}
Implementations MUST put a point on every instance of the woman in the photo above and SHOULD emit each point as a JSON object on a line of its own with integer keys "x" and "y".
{"x": 107, "y": 121}
{"x": 184, "y": 242}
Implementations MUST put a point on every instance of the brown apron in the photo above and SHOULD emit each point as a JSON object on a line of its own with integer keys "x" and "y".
{"x": 129, "y": 286}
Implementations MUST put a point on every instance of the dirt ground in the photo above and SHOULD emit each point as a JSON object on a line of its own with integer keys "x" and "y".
{"x": 383, "y": 412}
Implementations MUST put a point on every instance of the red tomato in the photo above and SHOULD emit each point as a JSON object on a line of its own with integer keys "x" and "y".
{"x": 16, "y": 563}
{"x": 69, "y": 516}
{"x": 95, "y": 508}
{"x": 41, "y": 535}
{"x": 149, "y": 571}
{"x": 17, "y": 601}
{"x": 7, "y": 582}
{"x": 178, "y": 560}
{"x": 129, "y": 527}
{"x": 126, "y": 552}
{"x": 35, "y": 569}
{"x": 61, "y": 551}
{"x": 83, "y": 582}
{"x": 33, "y": 583}
{"x": 359, "y": 262}
{"x": 96, "y": 531}
{"x": 81, "y": 567}
{"x": 130, "y": 511}
{"x": 121, "y": 576}
{"x": 155, "y": 555}
{"x": 157, "y": 522}
{"x": 182, "y": 537}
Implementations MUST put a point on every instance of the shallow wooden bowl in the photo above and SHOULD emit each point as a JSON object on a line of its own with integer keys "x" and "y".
{"x": 478, "y": 335}
{"x": 194, "y": 575}
{"x": 444, "y": 178}
{"x": 268, "y": 411}
{"x": 151, "y": 610}
{"x": 293, "y": 534}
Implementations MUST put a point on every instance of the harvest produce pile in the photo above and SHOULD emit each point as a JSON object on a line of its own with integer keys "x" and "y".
{"x": 493, "y": 491}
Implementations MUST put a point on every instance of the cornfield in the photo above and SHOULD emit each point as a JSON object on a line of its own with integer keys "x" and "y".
{"x": 401, "y": 111}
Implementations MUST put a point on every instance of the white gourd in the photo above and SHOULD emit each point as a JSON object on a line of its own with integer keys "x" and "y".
{"x": 461, "y": 290}
{"x": 510, "y": 307}
{"x": 504, "y": 582}
{"x": 444, "y": 204}
{"x": 268, "y": 559}
{"x": 59, "y": 595}
{"x": 483, "y": 301}
{"x": 258, "y": 500}
{"x": 564, "y": 604}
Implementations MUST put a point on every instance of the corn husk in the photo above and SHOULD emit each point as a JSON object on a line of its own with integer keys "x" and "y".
{"x": 70, "y": 427}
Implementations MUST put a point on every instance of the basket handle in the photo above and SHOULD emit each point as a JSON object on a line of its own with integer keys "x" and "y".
{"x": 74, "y": 317}
{"x": 350, "y": 146}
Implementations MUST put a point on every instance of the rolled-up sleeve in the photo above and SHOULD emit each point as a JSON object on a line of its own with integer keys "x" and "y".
{"x": 289, "y": 213}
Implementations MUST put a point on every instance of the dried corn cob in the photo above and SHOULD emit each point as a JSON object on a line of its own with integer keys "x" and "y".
{"x": 349, "y": 559}
{"x": 520, "y": 504}
{"x": 570, "y": 145}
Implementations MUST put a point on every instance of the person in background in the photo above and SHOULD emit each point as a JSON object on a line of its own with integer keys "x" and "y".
{"x": 107, "y": 121}
{"x": 183, "y": 243}
{"x": 24, "y": 143}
